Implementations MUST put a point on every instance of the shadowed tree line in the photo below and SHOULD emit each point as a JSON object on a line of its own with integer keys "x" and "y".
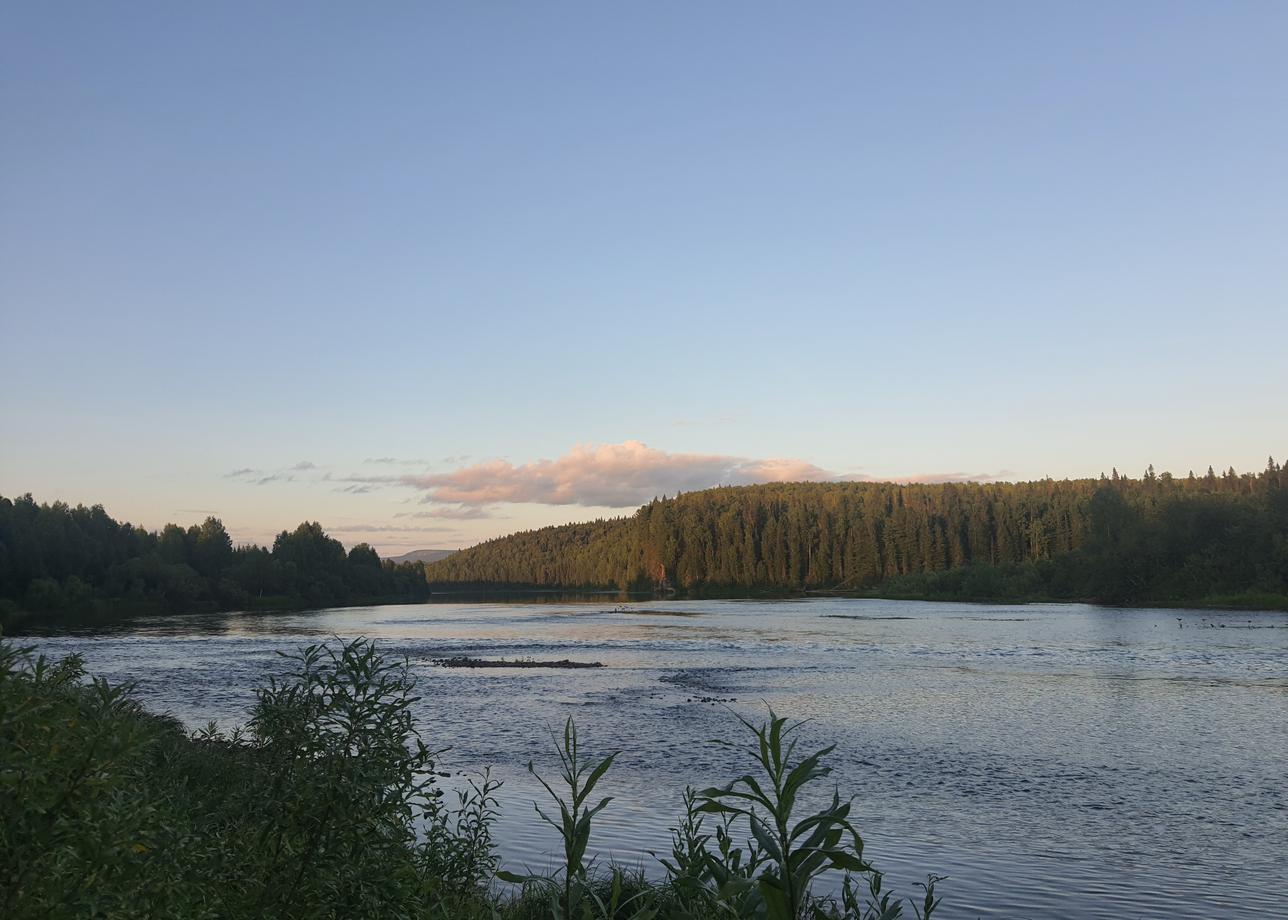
{"x": 57, "y": 559}
{"x": 1212, "y": 538}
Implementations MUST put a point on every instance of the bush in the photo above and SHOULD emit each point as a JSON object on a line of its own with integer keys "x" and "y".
{"x": 107, "y": 811}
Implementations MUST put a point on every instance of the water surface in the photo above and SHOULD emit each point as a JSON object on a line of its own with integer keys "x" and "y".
{"x": 1054, "y": 761}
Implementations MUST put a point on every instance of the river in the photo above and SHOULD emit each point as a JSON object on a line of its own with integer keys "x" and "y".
{"x": 1053, "y": 760}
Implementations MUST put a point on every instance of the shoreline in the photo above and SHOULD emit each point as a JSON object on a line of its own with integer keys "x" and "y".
{"x": 22, "y": 622}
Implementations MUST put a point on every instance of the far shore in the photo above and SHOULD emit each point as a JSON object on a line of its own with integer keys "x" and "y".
{"x": 18, "y": 621}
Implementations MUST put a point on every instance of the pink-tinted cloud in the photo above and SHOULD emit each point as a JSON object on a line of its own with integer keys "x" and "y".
{"x": 463, "y": 513}
{"x": 390, "y": 528}
{"x": 621, "y": 475}
{"x": 954, "y": 477}
{"x": 610, "y": 475}
{"x": 927, "y": 478}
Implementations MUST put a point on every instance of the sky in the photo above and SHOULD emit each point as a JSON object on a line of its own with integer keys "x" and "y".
{"x": 429, "y": 273}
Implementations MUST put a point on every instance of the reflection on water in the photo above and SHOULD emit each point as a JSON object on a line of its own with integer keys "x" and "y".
{"x": 1055, "y": 761}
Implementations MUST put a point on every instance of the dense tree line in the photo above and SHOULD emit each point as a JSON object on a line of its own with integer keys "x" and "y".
{"x": 57, "y": 558}
{"x": 1113, "y": 538}
{"x": 1116, "y": 539}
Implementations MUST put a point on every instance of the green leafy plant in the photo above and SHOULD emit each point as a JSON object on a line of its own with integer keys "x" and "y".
{"x": 458, "y": 850}
{"x": 795, "y": 852}
{"x": 75, "y": 832}
{"x": 773, "y": 877}
{"x": 575, "y": 815}
{"x": 351, "y": 775}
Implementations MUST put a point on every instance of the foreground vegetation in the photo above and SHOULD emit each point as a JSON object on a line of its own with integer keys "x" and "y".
{"x": 1162, "y": 539}
{"x": 327, "y": 806}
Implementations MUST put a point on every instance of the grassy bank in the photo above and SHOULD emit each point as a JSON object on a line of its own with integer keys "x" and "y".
{"x": 326, "y": 806}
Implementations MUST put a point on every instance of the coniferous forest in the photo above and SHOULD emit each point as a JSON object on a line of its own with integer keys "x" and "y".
{"x": 1212, "y": 539}
{"x": 57, "y": 559}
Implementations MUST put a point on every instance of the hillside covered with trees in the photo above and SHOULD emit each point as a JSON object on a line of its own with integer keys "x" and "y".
{"x": 1213, "y": 538}
{"x": 1210, "y": 539}
{"x": 57, "y": 559}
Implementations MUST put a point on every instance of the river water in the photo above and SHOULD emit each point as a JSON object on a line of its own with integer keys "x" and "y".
{"x": 1053, "y": 760}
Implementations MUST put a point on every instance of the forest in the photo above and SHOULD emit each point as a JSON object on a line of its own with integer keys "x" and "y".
{"x": 1209, "y": 540}
{"x": 57, "y": 559}
{"x": 1218, "y": 539}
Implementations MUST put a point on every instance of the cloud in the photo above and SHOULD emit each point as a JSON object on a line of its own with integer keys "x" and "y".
{"x": 954, "y": 477}
{"x": 611, "y": 475}
{"x": 261, "y": 478}
{"x": 463, "y": 513}
{"x": 397, "y": 461}
{"x": 377, "y": 480}
{"x": 927, "y": 478}
{"x": 620, "y": 475}
{"x": 391, "y": 528}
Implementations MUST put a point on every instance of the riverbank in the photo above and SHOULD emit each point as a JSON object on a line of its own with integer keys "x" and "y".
{"x": 896, "y": 590}
{"x": 16, "y": 620}
{"x": 1246, "y": 602}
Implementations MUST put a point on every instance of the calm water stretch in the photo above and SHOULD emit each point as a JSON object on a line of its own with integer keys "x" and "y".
{"x": 1054, "y": 761}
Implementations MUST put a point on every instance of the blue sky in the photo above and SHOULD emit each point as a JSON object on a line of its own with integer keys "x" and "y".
{"x": 584, "y": 252}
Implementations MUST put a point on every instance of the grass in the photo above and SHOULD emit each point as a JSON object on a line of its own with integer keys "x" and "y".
{"x": 327, "y": 805}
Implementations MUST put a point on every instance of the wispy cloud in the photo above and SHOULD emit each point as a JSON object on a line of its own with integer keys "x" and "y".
{"x": 261, "y": 477}
{"x": 397, "y": 461}
{"x": 947, "y": 477}
{"x": 391, "y": 528}
{"x": 371, "y": 479}
{"x": 462, "y": 513}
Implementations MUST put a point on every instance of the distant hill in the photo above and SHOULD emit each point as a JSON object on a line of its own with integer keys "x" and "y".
{"x": 422, "y": 555}
{"x": 1215, "y": 539}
